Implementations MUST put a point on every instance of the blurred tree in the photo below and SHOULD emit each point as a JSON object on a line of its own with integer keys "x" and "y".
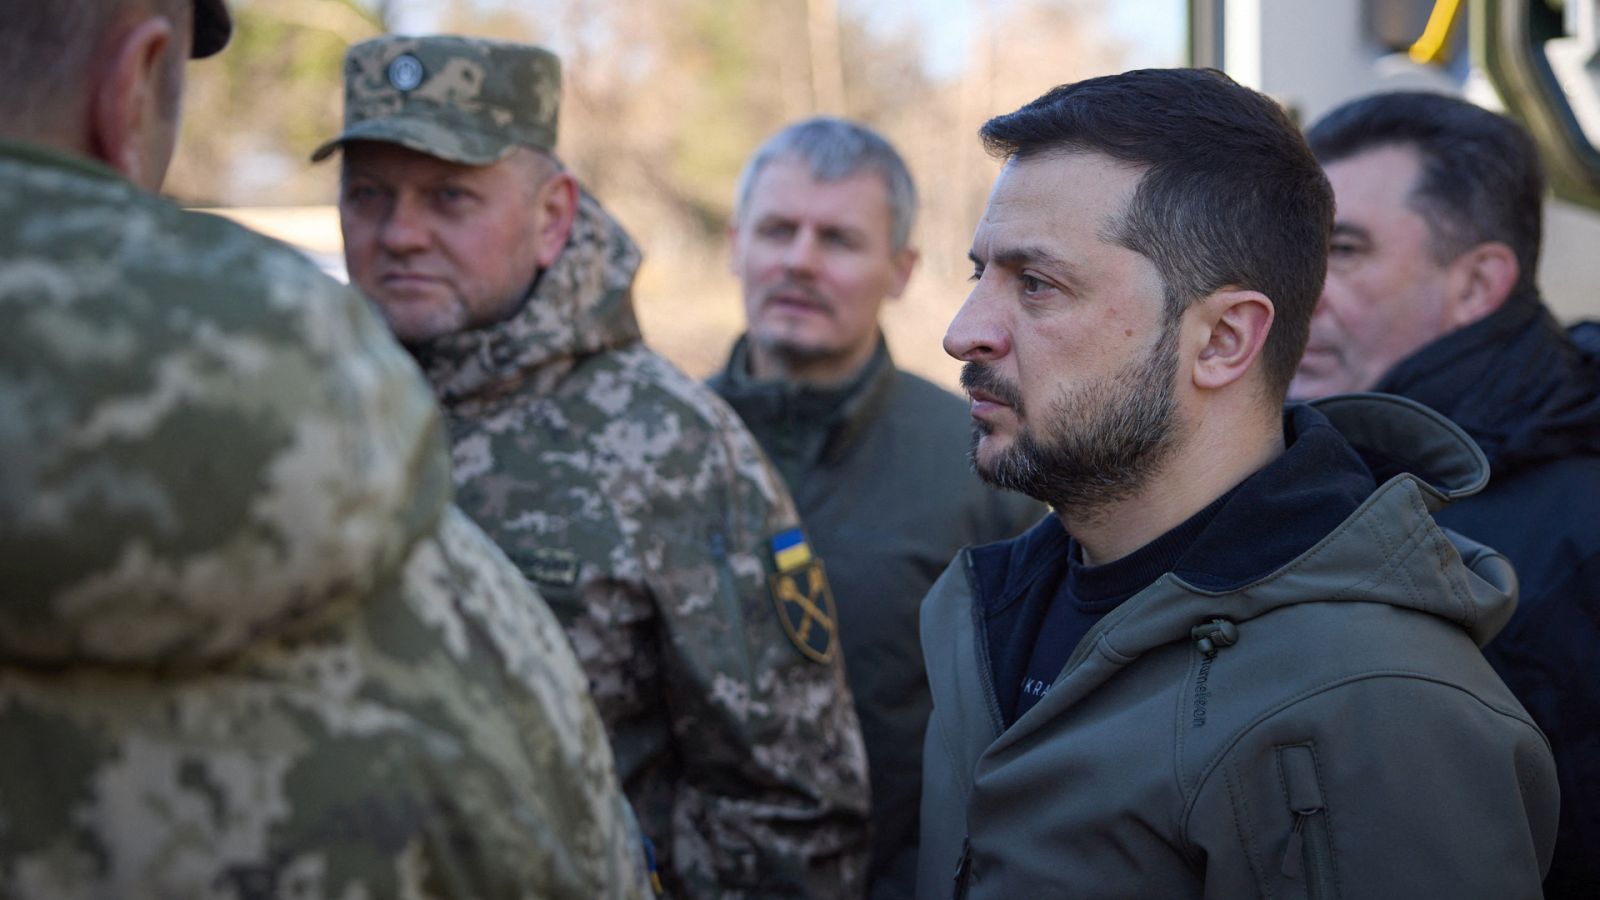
{"x": 663, "y": 102}
{"x": 254, "y": 113}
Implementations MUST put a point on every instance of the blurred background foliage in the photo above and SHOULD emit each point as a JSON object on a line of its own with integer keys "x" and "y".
{"x": 663, "y": 100}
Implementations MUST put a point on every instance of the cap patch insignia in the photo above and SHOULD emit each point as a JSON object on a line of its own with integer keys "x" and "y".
{"x": 804, "y": 600}
{"x": 405, "y": 72}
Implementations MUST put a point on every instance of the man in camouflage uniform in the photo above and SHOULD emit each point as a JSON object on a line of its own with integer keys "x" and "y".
{"x": 627, "y": 492}
{"x": 247, "y": 648}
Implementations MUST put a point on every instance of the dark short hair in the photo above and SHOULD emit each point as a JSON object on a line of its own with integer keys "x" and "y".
{"x": 1230, "y": 195}
{"x": 1480, "y": 178}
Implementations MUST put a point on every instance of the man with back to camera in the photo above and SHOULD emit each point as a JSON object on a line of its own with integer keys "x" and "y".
{"x": 1431, "y": 295}
{"x": 1259, "y": 652}
{"x": 247, "y": 647}
{"x": 630, "y": 495}
{"x": 821, "y": 239}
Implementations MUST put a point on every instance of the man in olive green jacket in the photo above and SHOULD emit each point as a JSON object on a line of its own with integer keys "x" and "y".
{"x": 1241, "y": 659}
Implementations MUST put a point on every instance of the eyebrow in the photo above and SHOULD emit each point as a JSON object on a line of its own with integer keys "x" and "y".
{"x": 1347, "y": 229}
{"x": 1022, "y": 257}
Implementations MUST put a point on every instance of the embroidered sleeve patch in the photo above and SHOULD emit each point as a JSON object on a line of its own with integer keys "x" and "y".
{"x": 558, "y": 568}
{"x": 803, "y": 598}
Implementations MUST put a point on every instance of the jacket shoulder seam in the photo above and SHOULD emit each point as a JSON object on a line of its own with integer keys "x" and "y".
{"x": 1231, "y": 744}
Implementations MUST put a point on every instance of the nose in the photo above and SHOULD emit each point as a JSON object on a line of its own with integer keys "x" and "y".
{"x": 978, "y": 333}
{"x": 800, "y": 256}
{"x": 404, "y": 230}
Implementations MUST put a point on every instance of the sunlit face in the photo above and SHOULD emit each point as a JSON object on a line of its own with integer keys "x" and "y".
{"x": 438, "y": 246}
{"x": 815, "y": 260}
{"x": 1386, "y": 295}
{"x": 1071, "y": 363}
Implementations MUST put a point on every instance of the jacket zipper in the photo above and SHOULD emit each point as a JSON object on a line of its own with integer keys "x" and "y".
{"x": 991, "y": 698}
{"x": 963, "y": 869}
{"x": 1307, "y": 852}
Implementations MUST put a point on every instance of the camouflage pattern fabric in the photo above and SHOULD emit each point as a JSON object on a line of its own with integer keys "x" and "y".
{"x": 247, "y": 648}
{"x": 644, "y": 512}
{"x": 467, "y": 100}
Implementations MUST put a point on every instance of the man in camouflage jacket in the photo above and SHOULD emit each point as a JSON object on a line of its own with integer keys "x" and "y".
{"x": 247, "y": 648}
{"x": 629, "y": 494}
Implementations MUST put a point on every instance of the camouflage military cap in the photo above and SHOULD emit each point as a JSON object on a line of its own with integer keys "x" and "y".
{"x": 465, "y": 100}
{"x": 212, "y": 28}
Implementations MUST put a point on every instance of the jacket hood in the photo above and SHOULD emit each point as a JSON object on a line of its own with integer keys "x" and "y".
{"x": 1423, "y": 462}
{"x": 582, "y": 304}
{"x": 1515, "y": 381}
{"x": 207, "y": 442}
{"x": 1434, "y": 463}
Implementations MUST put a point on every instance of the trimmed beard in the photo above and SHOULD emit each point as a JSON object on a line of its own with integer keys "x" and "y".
{"x": 1098, "y": 443}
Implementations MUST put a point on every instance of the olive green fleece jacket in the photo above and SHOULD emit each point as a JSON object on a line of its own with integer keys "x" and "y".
{"x": 1349, "y": 742}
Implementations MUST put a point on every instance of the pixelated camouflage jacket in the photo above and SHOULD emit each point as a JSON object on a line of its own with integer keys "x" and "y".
{"x": 247, "y": 649}
{"x": 644, "y": 512}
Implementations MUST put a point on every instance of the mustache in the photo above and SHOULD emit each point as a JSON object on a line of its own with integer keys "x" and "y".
{"x": 980, "y": 377}
{"x": 791, "y": 286}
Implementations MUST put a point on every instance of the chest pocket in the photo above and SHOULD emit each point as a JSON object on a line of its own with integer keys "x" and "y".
{"x": 1307, "y": 867}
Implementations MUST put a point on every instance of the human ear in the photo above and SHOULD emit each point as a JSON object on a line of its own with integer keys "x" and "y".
{"x": 1237, "y": 323}
{"x": 904, "y": 260}
{"x": 733, "y": 246}
{"x": 124, "y": 100}
{"x": 557, "y": 205}
{"x": 1480, "y": 281}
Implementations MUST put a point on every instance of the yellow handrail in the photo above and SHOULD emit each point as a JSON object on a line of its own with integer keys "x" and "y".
{"x": 1430, "y": 47}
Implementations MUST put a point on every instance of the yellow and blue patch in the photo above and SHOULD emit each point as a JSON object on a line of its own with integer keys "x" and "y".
{"x": 790, "y": 550}
{"x": 803, "y": 597}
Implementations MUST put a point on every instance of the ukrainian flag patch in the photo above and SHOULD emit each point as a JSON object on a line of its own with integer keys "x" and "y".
{"x": 803, "y": 597}
{"x": 790, "y": 550}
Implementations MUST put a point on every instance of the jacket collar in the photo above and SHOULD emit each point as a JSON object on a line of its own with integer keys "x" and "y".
{"x": 39, "y": 154}
{"x": 1514, "y": 381}
{"x": 582, "y": 304}
{"x": 1387, "y": 551}
{"x": 1427, "y": 462}
{"x": 836, "y": 414}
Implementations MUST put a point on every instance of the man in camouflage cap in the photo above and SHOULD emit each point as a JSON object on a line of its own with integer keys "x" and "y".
{"x": 247, "y": 647}
{"x": 628, "y": 493}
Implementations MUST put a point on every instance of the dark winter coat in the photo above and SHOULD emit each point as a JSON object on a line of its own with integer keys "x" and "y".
{"x": 1519, "y": 387}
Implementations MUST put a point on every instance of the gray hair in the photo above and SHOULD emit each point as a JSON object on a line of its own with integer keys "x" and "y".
{"x": 833, "y": 149}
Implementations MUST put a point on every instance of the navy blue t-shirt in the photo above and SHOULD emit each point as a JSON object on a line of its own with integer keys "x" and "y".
{"x": 1039, "y": 600}
{"x": 1089, "y": 592}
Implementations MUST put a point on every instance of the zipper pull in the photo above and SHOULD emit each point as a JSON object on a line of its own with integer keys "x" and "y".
{"x": 1292, "y": 857}
{"x": 1216, "y": 633}
{"x": 963, "y": 866}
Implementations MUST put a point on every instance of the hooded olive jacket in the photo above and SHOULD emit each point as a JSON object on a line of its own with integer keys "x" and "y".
{"x": 1350, "y": 741}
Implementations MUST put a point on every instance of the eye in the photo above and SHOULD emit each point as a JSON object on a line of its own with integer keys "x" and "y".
{"x": 839, "y": 239}
{"x": 1031, "y": 284}
{"x": 775, "y": 230}
{"x": 360, "y": 193}
{"x": 977, "y": 271}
